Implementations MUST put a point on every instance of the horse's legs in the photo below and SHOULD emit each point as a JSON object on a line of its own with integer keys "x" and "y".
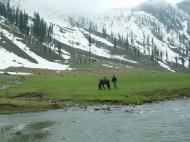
{"x": 108, "y": 84}
{"x": 100, "y": 86}
{"x": 108, "y": 87}
{"x": 103, "y": 87}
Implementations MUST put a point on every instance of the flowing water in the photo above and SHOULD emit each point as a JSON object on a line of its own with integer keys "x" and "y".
{"x": 163, "y": 122}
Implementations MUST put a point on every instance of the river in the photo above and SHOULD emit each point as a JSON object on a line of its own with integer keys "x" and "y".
{"x": 163, "y": 122}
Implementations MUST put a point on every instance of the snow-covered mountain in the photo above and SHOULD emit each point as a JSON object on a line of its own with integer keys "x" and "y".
{"x": 158, "y": 30}
{"x": 10, "y": 59}
{"x": 164, "y": 24}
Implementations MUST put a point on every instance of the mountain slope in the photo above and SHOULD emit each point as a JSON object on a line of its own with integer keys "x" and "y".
{"x": 151, "y": 25}
{"x": 155, "y": 35}
{"x": 24, "y": 57}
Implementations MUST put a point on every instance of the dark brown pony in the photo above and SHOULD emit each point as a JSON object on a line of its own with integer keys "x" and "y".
{"x": 104, "y": 84}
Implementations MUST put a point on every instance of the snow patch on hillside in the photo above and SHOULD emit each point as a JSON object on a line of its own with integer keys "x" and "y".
{"x": 8, "y": 59}
{"x": 140, "y": 26}
{"x": 165, "y": 66}
{"x": 16, "y": 73}
{"x": 123, "y": 58}
{"x": 102, "y": 40}
{"x": 74, "y": 37}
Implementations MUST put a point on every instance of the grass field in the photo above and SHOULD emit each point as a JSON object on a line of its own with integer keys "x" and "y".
{"x": 34, "y": 93}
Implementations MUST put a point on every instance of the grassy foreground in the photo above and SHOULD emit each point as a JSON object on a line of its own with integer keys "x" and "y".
{"x": 51, "y": 91}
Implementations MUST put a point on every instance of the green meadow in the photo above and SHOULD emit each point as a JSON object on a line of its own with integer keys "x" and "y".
{"x": 37, "y": 92}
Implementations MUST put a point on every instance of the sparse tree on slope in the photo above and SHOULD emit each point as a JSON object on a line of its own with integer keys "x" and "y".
{"x": 161, "y": 55}
{"x": 90, "y": 44}
{"x": 21, "y": 21}
{"x": 176, "y": 61}
{"x": 127, "y": 43}
{"x": 166, "y": 55}
{"x": 183, "y": 61}
{"x": 104, "y": 32}
{"x": 115, "y": 44}
{"x": 17, "y": 17}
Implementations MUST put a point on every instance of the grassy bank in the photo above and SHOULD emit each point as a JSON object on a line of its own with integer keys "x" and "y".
{"x": 34, "y": 93}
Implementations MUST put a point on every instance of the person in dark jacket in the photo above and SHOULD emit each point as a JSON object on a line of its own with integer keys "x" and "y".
{"x": 114, "y": 81}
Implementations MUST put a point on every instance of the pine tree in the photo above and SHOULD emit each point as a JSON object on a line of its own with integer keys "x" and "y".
{"x": 148, "y": 45}
{"x": 176, "y": 61}
{"x": 152, "y": 53}
{"x": 152, "y": 42}
{"x": 89, "y": 39}
{"x": 166, "y": 55}
{"x": 50, "y": 34}
{"x": 43, "y": 30}
{"x": 127, "y": 43}
{"x": 21, "y": 22}
{"x": 148, "y": 40}
{"x": 36, "y": 25}
{"x": 90, "y": 44}
{"x": 59, "y": 48}
{"x": 11, "y": 16}
{"x": 161, "y": 55}
{"x": 8, "y": 9}
{"x": 104, "y": 32}
{"x": 135, "y": 50}
{"x": 90, "y": 27}
{"x": 25, "y": 24}
{"x": 132, "y": 41}
{"x": 115, "y": 44}
{"x": 156, "y": 51}
{"x": 39, "y": 29}
{"x": 138, "y": 52}
{"x": 17, "y": 17}
{"x": 112, "y": 36}
{"x": 120, "y": 39}
{"x": 183, "y": 61}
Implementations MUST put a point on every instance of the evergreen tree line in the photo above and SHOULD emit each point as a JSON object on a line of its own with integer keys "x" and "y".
{"x": 19, "y": 18}
{"x": 80, "y": 58}
{"x": 148, "y": 45}
{"x": 15, "y": 16}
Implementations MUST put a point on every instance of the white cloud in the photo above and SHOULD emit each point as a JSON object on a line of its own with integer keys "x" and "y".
{"x": 132, "y": 3}
{"x": 81, "y": 6}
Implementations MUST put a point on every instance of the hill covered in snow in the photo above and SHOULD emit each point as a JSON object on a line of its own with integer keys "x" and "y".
{"x": 155, "y": 35}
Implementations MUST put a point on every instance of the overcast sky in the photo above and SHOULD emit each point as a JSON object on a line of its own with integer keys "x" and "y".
{"x": 82, "y": 6}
